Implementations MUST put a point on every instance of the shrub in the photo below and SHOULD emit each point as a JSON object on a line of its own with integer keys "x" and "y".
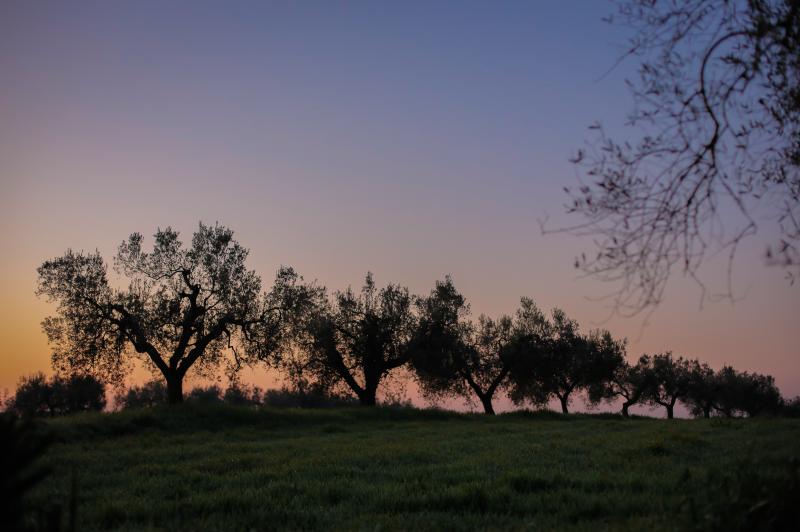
{"x": 207, "y": 394}
{"x": 147, "y": 395}
{"x": 36, "y": 396}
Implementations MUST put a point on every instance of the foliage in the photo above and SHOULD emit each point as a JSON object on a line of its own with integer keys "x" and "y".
{"x": 455, "y": 357}
{"x": 552, "y": 359}
{"x": 149, "y": 394}
{"x": 718, "y": 107}
{"x": 356, "y": 340}
{"x": 308, "y": 398}
{"x": 746, "y": 393}
{"x": 185, "y": 308}
{"x": 36, "y": 396}
{"x": 630, "y": 383}
{"x": 205, "y": 394}
{"x": 670, "y": 381}
{"x": 242, "y": 395}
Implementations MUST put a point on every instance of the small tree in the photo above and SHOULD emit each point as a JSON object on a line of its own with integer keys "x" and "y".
{"x": 185, "y": 308}
{"x": 556, "y": 360}
{"x": 455, "y": 357}
{"x": 747, "y": 393}
{"x": 147, "y": 395}
{"x": 670, "y": 381}
{"x": 242, "y": 395}
{"x": 703, "y": 390}
{"x": 36, "y": 395}
{"x": 357, "y": 339}
{"x": 628, "y": 382}
{"x": 205, "y": 394}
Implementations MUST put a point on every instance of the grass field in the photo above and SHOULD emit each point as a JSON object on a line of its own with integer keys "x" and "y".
{"x": 209, "y": 467}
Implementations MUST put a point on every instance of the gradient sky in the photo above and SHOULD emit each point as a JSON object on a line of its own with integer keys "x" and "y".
{"x": 412, "y": 139}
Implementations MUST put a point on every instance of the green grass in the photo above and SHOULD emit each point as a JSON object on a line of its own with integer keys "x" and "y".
{"x": 224, "y": 468}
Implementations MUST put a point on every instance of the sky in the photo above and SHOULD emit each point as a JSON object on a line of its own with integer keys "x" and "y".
{"x": 411, "y": 139}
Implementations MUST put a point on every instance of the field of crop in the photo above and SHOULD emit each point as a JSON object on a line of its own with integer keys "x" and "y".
{"x": 215, "y": 467}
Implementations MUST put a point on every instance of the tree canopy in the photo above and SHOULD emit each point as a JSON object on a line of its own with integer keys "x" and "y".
{"x": 195, "y": 307}
{"x": 456, "y": 357}
{"x": 356, "y": 339}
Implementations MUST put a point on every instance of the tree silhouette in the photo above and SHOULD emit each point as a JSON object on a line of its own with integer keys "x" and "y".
{"x": 357, "y": 339}
{"x": 703, "y": 392}
{"x": 552, "y": 359}
{"x": 455, "y": 357}
{"x": 718, "y": 104}
{"x": 628, "y": 382}
{"x": 746, "y": 393}
{"x": 35, "y": 395}
{"x": 184, "y": 308}
{"x": 670, "y": 381}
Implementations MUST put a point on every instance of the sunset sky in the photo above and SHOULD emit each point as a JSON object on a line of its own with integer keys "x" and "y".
{"x": 414, "y": 140}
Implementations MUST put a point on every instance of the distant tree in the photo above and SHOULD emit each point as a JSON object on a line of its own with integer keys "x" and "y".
{"x": 703, "y": 391}
{"x": 670, "y": 381}
{"x": 242, "y": 395}
{"x": 455, "y": 357}
{"x": 185, "y": 308}
{"x": 357, "y": 340}
{"x": 33, "y": 397}
{"x": 147, "y": 395}
{"x": 628, "y": 382}
{"x": 557, "y": 360}
{"x": 791, "y": 407}
{"x": 717, "y": 101}
{"x": 38, "y": 396}
{"x": 205, "y": 394}
{"x": 730, "y": 391}
{"x": 743, "y": 393}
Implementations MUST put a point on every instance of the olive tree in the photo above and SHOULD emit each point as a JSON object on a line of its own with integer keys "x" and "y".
{"x": 628, "y": 382}
{"x": 453, "y": 356}
{"x": 670, "y": 381}
{"x": 185, "y": 307}
{"x": 556, "y": 360}
{"x": 356, "y": 339}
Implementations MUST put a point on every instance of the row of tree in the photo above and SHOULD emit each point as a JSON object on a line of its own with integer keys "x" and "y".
{"x": 200, "y": 308}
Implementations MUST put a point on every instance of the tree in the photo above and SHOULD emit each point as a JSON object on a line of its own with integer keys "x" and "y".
{"x": 554, "y": 360}
{"x": 184, "y": 308}
{"x": 702, "y": 394}
{"x": 357, "y": 340}
{"x": 149, "y": 394}
{"x": 84, "y": 393}
{"x": 455, "y": 357}
{"x": 747, "y": 393}
{"x": 36, "y": 395}
{"x": 718, "y": 105}
{"x": 242, "y": 395}
{"x": 628, "y": 382}
{"x": 670, "y": 381}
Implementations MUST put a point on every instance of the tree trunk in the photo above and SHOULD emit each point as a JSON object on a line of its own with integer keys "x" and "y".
{"x": 707, "y": 413}
{"x": 486, "y": 400}
{"x": 368, "y": 396}
{"x": 564, "y": 407}
{"x": 625, "y": 407}
{"x": 174, "y": 389}
{"x": 670, "y": 411}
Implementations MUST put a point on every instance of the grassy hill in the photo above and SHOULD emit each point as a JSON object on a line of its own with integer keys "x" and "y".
{"x": 215, "y": 467}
